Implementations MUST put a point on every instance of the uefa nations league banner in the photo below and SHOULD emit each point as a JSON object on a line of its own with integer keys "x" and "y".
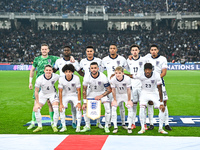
{"x": 171, "y": 66}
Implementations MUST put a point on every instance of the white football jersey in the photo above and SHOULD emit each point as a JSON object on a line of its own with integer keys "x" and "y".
{"x": 97, "y": 85}
{"x": 69, "y": 87}
{"x": 59, "y": 64}
{"x": 159, "y": 63}
{"x": 85, "y": 65}
{"x": 136, "y": 66}
{"x": 109, "y": 64}
{"x": 47, "y": 85}
{"x": 149, "y": 84}
{"x": 121, "y": 86}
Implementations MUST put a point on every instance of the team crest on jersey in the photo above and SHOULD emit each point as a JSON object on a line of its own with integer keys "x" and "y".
{"x": 73, "y": 84}
{"x": 157, "y": 63}
{"x": 52, "y": 82}
{"x": 99, "y": 82}
{"x": 152, "y": 81}
{"x": 118, "y": 63}
{"x": 140, "y": 64}
{"x": 49, "y": 60}
{"x": 94, "y": 105}
{"x": 124, "y": 84}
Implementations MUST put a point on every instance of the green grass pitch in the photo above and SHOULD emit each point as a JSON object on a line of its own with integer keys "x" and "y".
{"x": 16, "y": 104}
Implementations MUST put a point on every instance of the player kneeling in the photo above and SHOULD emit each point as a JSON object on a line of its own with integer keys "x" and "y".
{"x": 121, "y": 90}
{"x": 46, "y": 83}
{"x": 69, "y": 91}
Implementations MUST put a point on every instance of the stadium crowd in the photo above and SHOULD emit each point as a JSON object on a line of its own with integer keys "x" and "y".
{"x": 111, "y": 6}
{"x": 23, "y": 45}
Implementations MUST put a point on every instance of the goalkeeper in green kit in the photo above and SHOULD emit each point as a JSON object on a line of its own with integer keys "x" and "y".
{"x": 40, "y": 62}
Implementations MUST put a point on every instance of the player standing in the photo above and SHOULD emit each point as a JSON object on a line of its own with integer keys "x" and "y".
{"x": 151, "y": 91}
{"x": 69, "y": 91}
{"x": 85, "y": 65}
{"x": 136, "y": 65}
{"x": 121, "y": 90}
{"x": 109, "y": 63}
{"x": 46, "y": 83}
{"x": 59, "y": 65}
{"x": 160, "y": 65}
{"x": 39, "y": 64}
{"x": 97, "y": 82}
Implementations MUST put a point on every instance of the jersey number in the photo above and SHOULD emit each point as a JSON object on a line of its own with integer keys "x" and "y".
{"x": 135, "y": 69}
{"x": 121, "y": 88}
{"x": 148, "y": 85}
{"x": 47, "y": 87}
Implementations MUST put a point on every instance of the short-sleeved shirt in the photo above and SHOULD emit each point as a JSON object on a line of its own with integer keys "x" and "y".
{"x": 47, "y": 85}
{"x": 109, "y": 64}
{"x": 98, "y": 84}
{"x": 136, "y": 66}
{"x": 39, "y": 63}
{"x": 61, "y": 62}
{"x": 85, "y": 65}
{"x": 149, "y": 85}
{"x": 121, "y": 86}
{"x": 69, "y": 86}
{"x": 159, "y": 63}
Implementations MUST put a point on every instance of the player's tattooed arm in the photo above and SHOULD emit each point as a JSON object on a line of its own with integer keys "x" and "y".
{"x": 108, "y": 91}
{"x": 84, "y": 97}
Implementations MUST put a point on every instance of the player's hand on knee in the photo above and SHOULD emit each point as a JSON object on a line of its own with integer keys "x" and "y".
{"x": 84, "y": 106}
{"x": 36, "y": 107}
{"x": 162, "y": 108}
{"x": 78, "y": 106}
{"x": 130, "y": 103}
{"x": 30, "y": 86}
{"x": 98, "y": 97}
{"x": 62, "y": 108}
{"x": 114, "y": 103}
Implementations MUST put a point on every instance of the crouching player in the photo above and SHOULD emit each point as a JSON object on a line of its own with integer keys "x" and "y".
{"x": 151, "y": 91}
{"x": 69, "y": 91}
{"x": 46, "y": 83}
{"x": 121, "y": 90}
{"x": 97, "y": 82}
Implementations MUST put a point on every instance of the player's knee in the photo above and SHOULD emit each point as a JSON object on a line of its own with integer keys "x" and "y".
{"x": 55, "y": 108}
{"x": 107, "y": 108}
{"x": 150, "y": 102}
{"x": 165, "y": 103}
{"x": 114, "y": 108}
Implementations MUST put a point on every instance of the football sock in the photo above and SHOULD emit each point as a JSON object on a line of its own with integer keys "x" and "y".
{"x": 38, "y": 118}
{"x": 87, "y": 120}
{"x": 33, "y": 117}
{"x": 130, "y": 117}
{"x": 166, "y": 117}
{"x": 145, "y": 115}
{"x": 73, "y": 110}
{"x": 150, "y": 114}
{"x": 122, "y": 112}
{"x": 107, "y": 113}
{"x": 78, "y": 117}
{"x": 55, "y": 115}
{"x": 51, "y": 115}
{"x": 161, "y": 119}
{"x": 142, "y": 116}
{"x": 114, "y": 116}
{"x": 62, "y": 117}
{"x": 134, "y": 112}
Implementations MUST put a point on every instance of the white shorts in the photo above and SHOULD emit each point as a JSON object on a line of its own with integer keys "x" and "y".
{"x": 145, "y": 97}
{"x": 121, "y": 98}
{"x": 69, "y": 99}
{"x": 135, "y": 94}
{"x": 53, "y": 97}
{"x": 93, "y": 95}
{"x": 165, "y": 97}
